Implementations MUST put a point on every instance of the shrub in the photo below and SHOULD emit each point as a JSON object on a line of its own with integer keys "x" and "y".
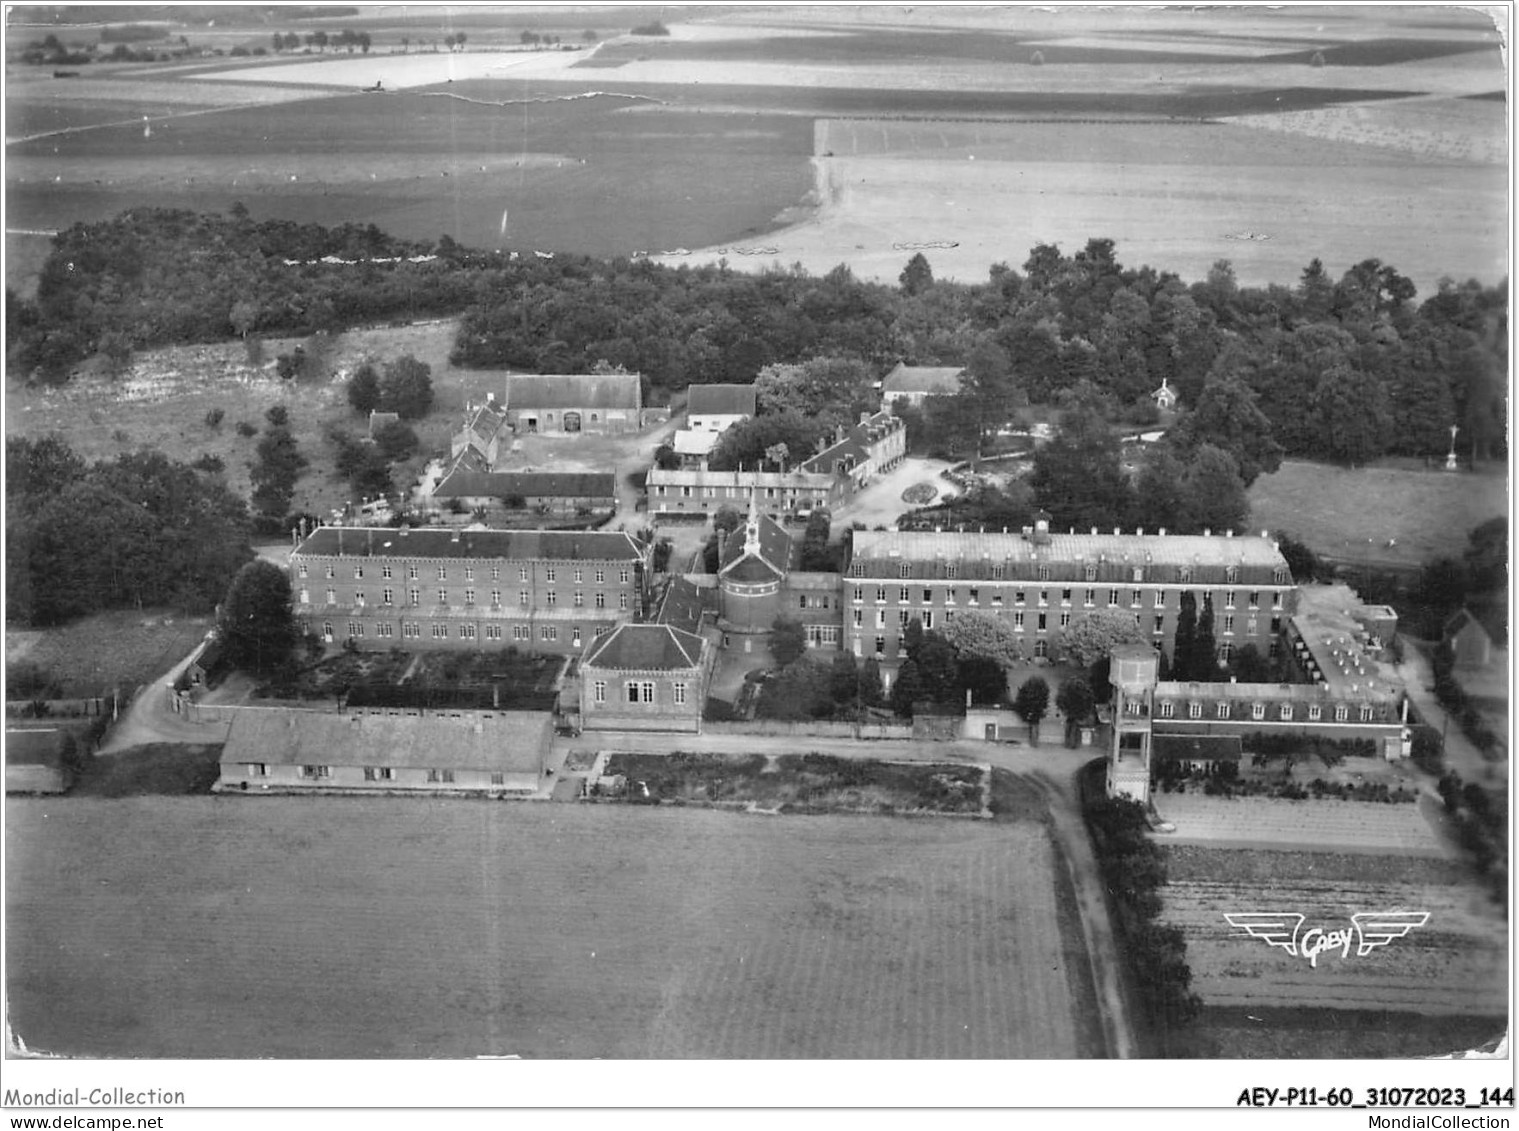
{"x": 214, "y": 417}
{"x": 209, "y": 462}
{"x": 278, "y": 415}
{"x": 246, "y": 429}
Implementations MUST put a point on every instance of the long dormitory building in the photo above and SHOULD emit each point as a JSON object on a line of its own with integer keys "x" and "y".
{"x": 1040, "y": 582}
{"x": 421, "y": 589}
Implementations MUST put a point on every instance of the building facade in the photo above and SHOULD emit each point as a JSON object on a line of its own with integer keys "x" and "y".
{"x": 645, "y": 677}
{"x": 433, "y": 588}
{"x": 563, "y": 494}
{"x": 716, "y": 408}
{"x": 915, "y": 382}
{"x": 568, "y": 403}
{"x": 1040, "y": 583}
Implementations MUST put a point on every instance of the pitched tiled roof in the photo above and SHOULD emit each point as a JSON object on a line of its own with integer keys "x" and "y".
{"x": 855, "y": 445}
{"x": 720, "y": 400}
{"x": 525, "y": 391}
{"x": 487, "y": 420}
{"x": 427, "y": 542}
{"x": 692, "y": 443}
{"x": 1139, "y": 549}
{"x": 645, "y": 647}
{"x": 529, "y": 484}
{"x": 926, "y": 379}
{"x": 681, "y": 606}
{"x": 773, "y": 547}
{"x": 499, "y": 741}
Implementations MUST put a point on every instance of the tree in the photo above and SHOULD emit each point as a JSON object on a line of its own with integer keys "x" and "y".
{"x": 1353, "y": 415}
{"x": 1093, "y": 635}
{"x": 244, "y": 314}
{"x": 364, "y": 389}
{"x": 1300, "y": 558}
{"x": 1486, "y": 555}
{"x": 817, "y": 555}
{"x": 1075, "y": 700}
{"x": 834, "y": 385}
{"x": 396, "y": 441}
{"x": 985, "y": 679}
{"x": 747, "y": 441}
{"x": 277, "y": 415}
{"x": 1078, "y": 476}
{"x": 1227, "y": 416}
{"x": 938, "y": 670}
{"x": 1184, "y": 647}
{"x": 1250, "y": 666}
{"x": 256, "y": 625}
{"x": 976, "y": 635}
{"x": 666, "y": 458}
{"x": 1032, "y": 703}
{"x": 788, "y": 641}
{"x": 917, "y": 276}
{"x": 1213, "y": 495}
{"x": 1205, "y": 650}
{"x": 406, "y": 388}
{"x": 907, "y": 690}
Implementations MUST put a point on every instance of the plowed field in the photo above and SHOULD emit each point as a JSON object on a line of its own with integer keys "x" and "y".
{"x": 403, "y": 928}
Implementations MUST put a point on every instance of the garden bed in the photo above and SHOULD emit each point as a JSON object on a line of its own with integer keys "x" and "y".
{"x": 800, "y": 783}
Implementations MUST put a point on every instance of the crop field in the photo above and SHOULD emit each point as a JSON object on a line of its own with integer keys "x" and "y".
{"x": 407, "y": 928}
{"x": 1325, "y": 824}
{"x": 1442, "y": 987}
{"x": 1351, "y": 515}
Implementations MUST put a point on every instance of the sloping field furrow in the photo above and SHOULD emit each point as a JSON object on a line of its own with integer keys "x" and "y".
{"x": 216, "y": 927}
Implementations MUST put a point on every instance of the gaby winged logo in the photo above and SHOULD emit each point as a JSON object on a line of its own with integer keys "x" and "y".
{"x": 1368, "y": 930}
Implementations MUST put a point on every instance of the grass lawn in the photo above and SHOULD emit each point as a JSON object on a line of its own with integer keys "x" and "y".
{"x": 1267, "y": 1033}
{"x": 160, "y": 768}
{"x": 214, "y": 927}
{"x": 118, "y": 648}
{"x": 1350, "y": 515}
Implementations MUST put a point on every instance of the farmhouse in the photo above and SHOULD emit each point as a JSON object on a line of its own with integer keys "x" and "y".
{"x": 481, "y": 435}
{"x": 694, "y": 447}
{"x": 579, "y": 402}
{"x": 488, "y": 753}
{"x": 563, "y": 494}
{"x": 552, "y": 591}
{"x": 915, "y": 382}
{"x": 645, "y": 677}
{"x": 715, "y": 408}
{"x": 36, "y": 760}
{"x": 1039, "y": 582}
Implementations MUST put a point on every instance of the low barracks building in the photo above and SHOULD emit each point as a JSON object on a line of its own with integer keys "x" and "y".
{"x": 1040, "y": 582}
{"x": 428, "y": 588}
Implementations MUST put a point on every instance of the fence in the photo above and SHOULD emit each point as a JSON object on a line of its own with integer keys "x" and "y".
{"x": 812, "y": 729}
{"x": 58, "y": 708}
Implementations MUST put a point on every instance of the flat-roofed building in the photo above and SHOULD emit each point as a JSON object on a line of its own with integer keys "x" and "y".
{"x": 430, "y": 588}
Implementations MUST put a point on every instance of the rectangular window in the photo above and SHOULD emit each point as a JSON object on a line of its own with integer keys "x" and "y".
{"x": 1223, "y": 710}
{"x": 355, "y": 628}
{"x": 997, "y": 599}
{"x": 1341, "y": 713}
{"x": 332, "y": 596}
{"x": 859, "y": 618}
{"x": 493, "y": 632}
{"x": 301, "y": 569}
{"x": 951, "y": 570}
{"x": 439, "y": 631}
{"x": 903, "y": 616}
{"x": 1252, "y": 626}
{"x": 1160, "y": 598}
{"x": 1065, "y": 620}
{"x": 1166, "y": 708}
{"x": 880, "y": 595}
{"x": 551, "y": 598}
{"x": 622, "y": 600}
{"x": 414, "y": 596}
{"x": 385, "y": 572}
{"x": 495, "y": 598}
{"x": 1091, "y": 572}
{"x": 1257, "y": 710}
{"x": 1366, "y": 713}
{"x": 880, "y": 645}
{"x": 679, "y": 691}
{"x": 314, "y": 772}
{"x": 1228, "y": 624}
{"x": 466, "y": 632}
{"x": 411, "y": 629}
{"x": 495, "y": 573}
{"x": 949, "y": 596}
{"x": 469, "y": 573}
{"x": 549, "y": 632}
{"x": 385, "y": 628}
{"x": 411, "y": 572}
{"x": 1018, "y": 621}
{"x": 905, "y": 595}
{"x": 1044, "y": 596}
{"x": 997, "y": 572}
{"x": 1112, "y": 598}
{"x": 379, "y": 773}
{"x": 575, "y": 638}
{"x": 1042, "y": 621}
{"x": 1228, "y": 598}
{"x": 1231, "y": 574}
{"x": 624, "y": 577}
{"x": 522, "y": 598}
{"x": 904, "y": 570}
{"x": 331, "y": 573}
{"x": 802, "y": 601}
{"x": 1286, "y": 712}
{"x": 440, "y": 775}
{"x": 442, "y": 596}
{"x": 1255, "y": 598}
{"x": 548, "y": 574}
{"x": 498, "y": 779}
{"x": 522, "y": 573}
{"x": 858, "y": 595}
{"x": 358, "y": 573}
{"x": 579, "y": 598}
{"x": 1315, "y": 712}
{"x": 975, "y": 597}
{"x": 1276, "y": 600}
{"x": 1194, "y": 710}
{"x": 880, "y": 618}
{"x": 305, "y": 597}
{"x": 599, "y": 691}
{"x": 1091, "y": 598}
{"x": 578, "y": 577}
{"x": 258, "y": 769}
{"x": 1160, "y": 624}
{"x": 928, "y": 619}
{"x": 1136, "y": 598}
{"x": 928, "y": 596}
{"x": 469, "y": 596}
{"x": 1044, "y": 573}
{"x": 522, "y": 632}
{"x": 388, "y": 596}
{"x": 442, "y": 573}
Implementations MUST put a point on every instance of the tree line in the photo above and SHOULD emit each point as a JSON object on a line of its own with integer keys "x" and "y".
{"x": 1344, "y": 369}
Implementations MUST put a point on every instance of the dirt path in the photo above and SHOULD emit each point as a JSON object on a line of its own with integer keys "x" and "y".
{"x": 150, "y": 719}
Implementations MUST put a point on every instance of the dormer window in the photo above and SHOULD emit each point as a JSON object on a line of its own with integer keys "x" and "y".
{"x": 951, "y": 570}
{"x": 1184, "y": 574}
{"x": 1091, "y": 572}
{"x": 1231, "y": 574}
{"x": 1139, "y": 574}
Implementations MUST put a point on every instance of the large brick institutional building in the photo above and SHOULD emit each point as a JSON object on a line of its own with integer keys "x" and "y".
{"x": 1040, "y": 582}
{"x": 435, "y": 588}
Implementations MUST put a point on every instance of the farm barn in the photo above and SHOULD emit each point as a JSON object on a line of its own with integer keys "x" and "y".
{"x": 915, "y": 382}
{"x": 570, "y": 403}
{"x": 493, "y": 753}
{"x": 564, "y": 494}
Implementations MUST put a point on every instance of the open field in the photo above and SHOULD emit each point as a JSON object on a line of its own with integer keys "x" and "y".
{"x": 122, "y": 648}
{"x": 1326, "y": 824}
{"x": 406, "y": 928}
{"x": 1350, "y": 514}
{"x": 703, "y": 139}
